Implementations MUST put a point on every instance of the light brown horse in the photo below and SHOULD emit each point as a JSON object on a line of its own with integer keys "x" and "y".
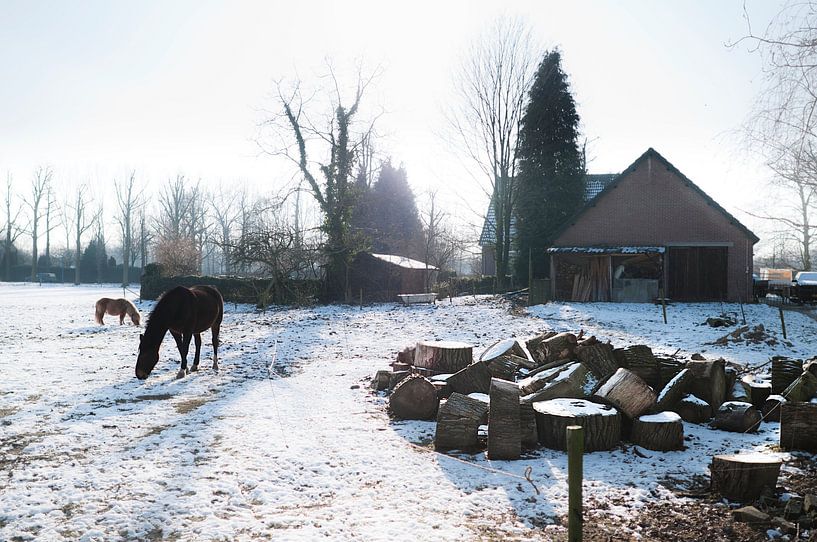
{"x": 117, "y": 307}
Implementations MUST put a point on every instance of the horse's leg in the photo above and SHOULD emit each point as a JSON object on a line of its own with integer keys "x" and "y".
{"x": 195, "y": 367}
{"x": 216, "y": 328}
{"x": 122, "y": 319}
{"x": 182, "y": 352}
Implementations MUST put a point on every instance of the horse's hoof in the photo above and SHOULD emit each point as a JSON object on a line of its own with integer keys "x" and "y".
{"x": 181, "y": 374}
{"x": 194, "y": 368}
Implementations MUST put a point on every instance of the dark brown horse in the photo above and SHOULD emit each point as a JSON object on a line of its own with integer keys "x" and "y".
{"x": 185, "y": 312}
{"x": 116, "y": 307}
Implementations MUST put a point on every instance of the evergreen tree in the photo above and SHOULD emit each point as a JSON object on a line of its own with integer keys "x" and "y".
{"x": 551, "y": 166}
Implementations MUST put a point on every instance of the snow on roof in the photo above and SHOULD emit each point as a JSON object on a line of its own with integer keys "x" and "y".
{"x": 607, "y": 250}
{"x": 402, "y": 261}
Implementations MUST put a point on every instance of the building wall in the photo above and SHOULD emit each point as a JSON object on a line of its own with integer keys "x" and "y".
{"x": 488, "y": 261}
{"x": 654, "y": 206}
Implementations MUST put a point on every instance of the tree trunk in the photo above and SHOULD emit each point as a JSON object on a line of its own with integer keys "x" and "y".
{"x": 737, "y": 416}
{"x": 640, "y": 360}
{"x": 628, "y": 393}
{"x": 547, "y": 348}
{"x": 414, "y": 398}
{"x": 693, "y": 409}
{"x": 675, "y": 389}
{"x": 598, "y": 358}
{"x": 798, "y": 426}
{"x": 784, "y": 372}
{"x": 708, "y": 381}
{"x": 661, "y": 432}
{"x": 771, "y": 408}
{"x": 504, "y": 430}
{"x": 474, "y": 378}
{"x": 802, "y": 389}
{"x": 602, "y": 423}
{"x": 443, "y": 357}
{"x": 458, "y": 422}
{"x": 743, "y": 477}
{"x": 381, "y": 380}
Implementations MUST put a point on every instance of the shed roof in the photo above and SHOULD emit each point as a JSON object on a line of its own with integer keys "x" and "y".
{"x": 402, "y": 261}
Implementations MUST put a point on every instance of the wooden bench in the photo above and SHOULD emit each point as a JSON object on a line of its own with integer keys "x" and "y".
{"x": 408, "y": 299}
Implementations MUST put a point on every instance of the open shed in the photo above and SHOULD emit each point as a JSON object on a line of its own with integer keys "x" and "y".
{"x": 382, "y": 277}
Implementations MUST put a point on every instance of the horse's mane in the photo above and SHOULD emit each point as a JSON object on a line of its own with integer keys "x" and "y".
{"x": 159, "y": 308}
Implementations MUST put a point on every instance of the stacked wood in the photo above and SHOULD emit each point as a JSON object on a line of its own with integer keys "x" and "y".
{"x": 640, "y": 360}
{"x": 798, "y": 426}
{"x": 399, "y": 367}
{"x": 673, "y": 391}
{"x": 474, "y": 378}
{"x": 592, "y": 283}
{"x": 693, "y": 409}
{"x": 443, "y": 356}
{"x": 573, "y": 381}
{"x": 527, "y": 424}
{"x": 784, "y": 372}
{"x": 441, "y": 383}
{"x": 771, "y": 408}
{"x": 509, "y": 349}
{"x": 738, "y": 392}
{"x": 504, "y": 430}
{"x": 737, "y": 416}
{"x": 757, "y": 389}
{"x": 598, "y": 358}
{"x": 414, "y": 398}
{"x": 743, "y": 477}
{"x": 602, "y": 423}
{"x": 381, "y": 380}
{"x": 627, "y": 392}
{"x": 811, "y": 366}
{"x": 396, "y": 377}
{"x": 504, "y": 367}
{"x": 731, "y": 379}
{"x": 668, "y": 368}
{"x": 661, "y": 432}
{"x": 802, "y": 389}
{"x": 539, "y": 379}
{"x": 485, "y": 398}
{"x": 708, "y": 381}
{"x": 552, "y": 347}
{"x": 458, "y": 422}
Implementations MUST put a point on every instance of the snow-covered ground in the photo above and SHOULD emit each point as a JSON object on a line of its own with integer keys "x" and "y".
{"x": 286, "y": 442}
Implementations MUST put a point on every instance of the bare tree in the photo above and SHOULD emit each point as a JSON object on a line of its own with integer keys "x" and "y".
{"x": 491, "y": 86}
{"x": 441, "y": 244}
{"x": 13, "y": 229}
{"x": 129, "y": 198}
{"x": 49, "y": 211}
{"x": 300, "y": 135}
{"x": 39, "y": 188}
{"x": 81, "y": 221}
{"x": 182, "y": 224}
{"x": 226, "y": 211}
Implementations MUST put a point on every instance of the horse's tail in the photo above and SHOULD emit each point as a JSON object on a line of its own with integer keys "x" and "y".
{"x": 100, "y": 312}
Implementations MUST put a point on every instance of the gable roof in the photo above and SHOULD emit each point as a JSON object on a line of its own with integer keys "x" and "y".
{"x": 652, "y": 153}
{"x": 402, "y": 261}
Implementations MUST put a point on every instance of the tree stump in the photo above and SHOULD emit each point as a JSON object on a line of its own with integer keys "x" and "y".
{"x": 414, "y": 398}
{"x": 708, "y": 381}
{"x": 798, "y": 426}
{"x": 627, "y": 392}
{"x": 547, "y": 348}
{"x": 662, "y": 432}
{"x": 784, "y": 372}
{"x": 443, "y": 356}
{"x": 602, "y": 423}
{"x": 504, "y": 430}
{"x": 737, "y": 416}
{"x": 598, "y": 358}
{"x": 639, "y": 360}
{"x": 673, "y": 391}
{"x": 743, "y": 477}
{"x": 474, "y": 378}
{"x": 771, "y": 408}
{"x": 381, "y": 380}
{"x": 758, "y": 389}
{"x": 458, "y": 421}
{"x": 527, "y": 423}
{"x": 802, "y": 389}
{"x": 693, "y": 409}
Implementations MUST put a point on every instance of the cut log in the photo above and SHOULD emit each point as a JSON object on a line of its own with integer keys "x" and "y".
{"x": 757, "y": 389}
{"x": 399, "y": 367}
{"x": 798, "y": 426}
{"x": 406, "y": 355}
{"x": 381, "y": 380}
{"x": 738, "y": 393}
{"x": 668, "y": 368}
{"x": 598, "y": 358}
{"x": 443, "y": 389}
{"x": 414, "y": 398}
{"x": 527, "y": 424}
{"x": 661, "y": 432}
{"x": 743, "y": 477}
{"x": 811, "y": 366}
{"x": 458, "y": 422}
{"x": 547, "y": 348}
{"x": 674, "y": 391}
{"x": 504, "y": 430}
{"x": 474, "y": 378}
{"x": 396, "y": 377}
{"x": 573, "y": 381}
{"x": 627, "y": 392}
{"x": 708, "y": 381}
{"x": 771, "y": 408}
{"x": 693, "y": 409}
{"x": 509, "y": 347}
{"x": 784, "y": 372}
{"x": 503, "y": 367}
{"x": 737, "y": 416}
{"x": 731, "y": 378}
{"x": 802, "y": 389}
{"x": 602, "y": 423}
{"x": 443, "y": 356}
{"x": 640, "y": 360}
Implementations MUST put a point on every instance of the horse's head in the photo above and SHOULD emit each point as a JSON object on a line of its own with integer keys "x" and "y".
{"x": 147, "y": 360}
{"x": 135, "y": 318}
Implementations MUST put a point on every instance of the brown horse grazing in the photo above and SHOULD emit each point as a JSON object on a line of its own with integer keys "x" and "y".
{"x": 117, "y": 307}
{"x": 185, "y": 312}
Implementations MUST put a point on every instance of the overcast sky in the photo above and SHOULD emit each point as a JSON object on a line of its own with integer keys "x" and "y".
{"x": 96, "y": 89}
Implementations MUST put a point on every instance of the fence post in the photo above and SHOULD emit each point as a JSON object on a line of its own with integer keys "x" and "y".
{"x": 663, "y": 303}
{"x": 575, "y": 449}
{"x": 782, "y": 322}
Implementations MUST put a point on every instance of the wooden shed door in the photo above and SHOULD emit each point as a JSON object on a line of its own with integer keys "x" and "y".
{"x": 697, "y": 273}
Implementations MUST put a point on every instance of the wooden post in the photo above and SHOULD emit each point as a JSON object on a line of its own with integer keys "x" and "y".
{"x": 575, "y": 449}
{"x": 782, "y": 322}
{"x": 663, "y": 303}
{"x": 742, "y": 314}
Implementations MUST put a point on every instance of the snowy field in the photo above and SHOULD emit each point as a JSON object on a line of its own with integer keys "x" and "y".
{"x": 287, "y": 442}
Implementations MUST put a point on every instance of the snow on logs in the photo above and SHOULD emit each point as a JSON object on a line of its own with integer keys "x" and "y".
{"x": 442, "y": 356}
{"x": 551, "y": 347}
{"x": 661, "y": 432}
{"x": 737, "y": 416}
{"x": 602, "y": 423}
{"x": 504, "y": 429}
{"x": 743, "y": 477}
{"x": 693, "y": 409}
{"x": 458, "y": 422}
{"x": 627, "y": 392}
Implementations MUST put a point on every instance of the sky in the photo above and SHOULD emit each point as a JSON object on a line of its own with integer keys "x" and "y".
{"x": 96, "y": 89}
